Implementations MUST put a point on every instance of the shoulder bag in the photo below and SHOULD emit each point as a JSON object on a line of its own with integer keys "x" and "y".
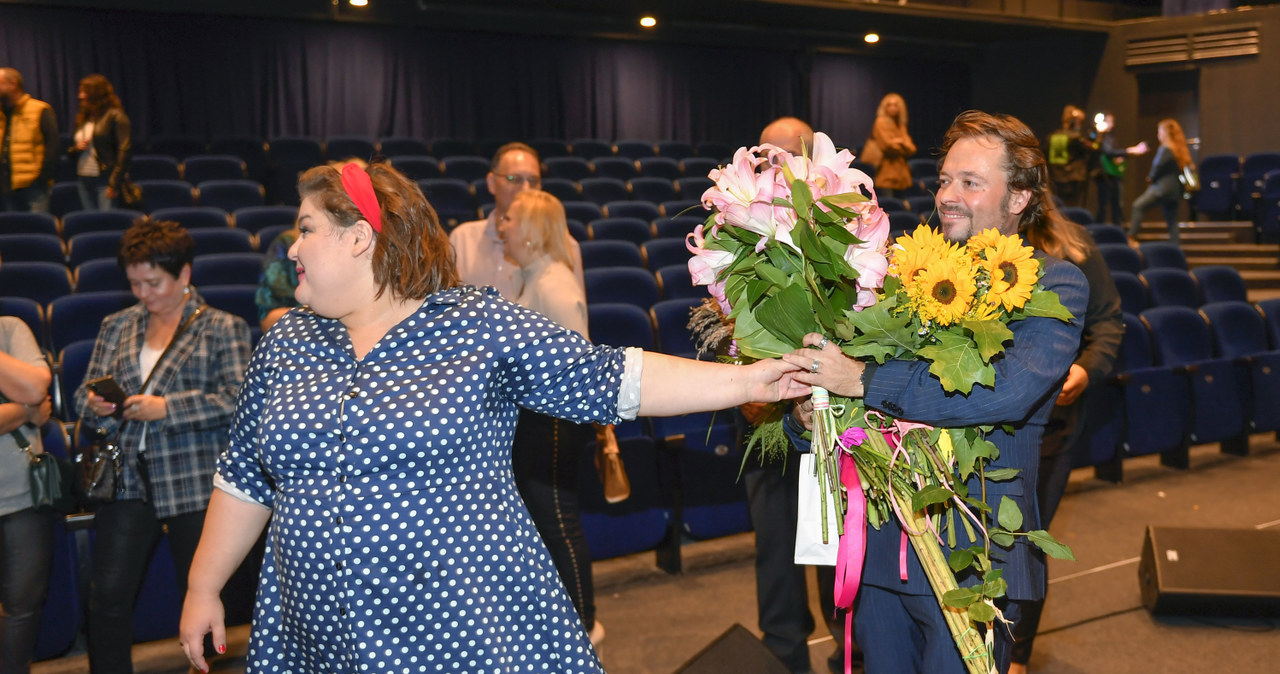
{"x": 100, "y": 463}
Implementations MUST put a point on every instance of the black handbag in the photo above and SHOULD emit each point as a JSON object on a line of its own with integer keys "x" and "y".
{"x": 98, "y": 468}
{"x": 100, "y": 462}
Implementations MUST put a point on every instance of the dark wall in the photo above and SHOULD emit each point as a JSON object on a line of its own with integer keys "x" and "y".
{"x": 217, "y": 75}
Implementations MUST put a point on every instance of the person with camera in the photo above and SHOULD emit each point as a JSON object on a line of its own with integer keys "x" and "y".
{"x": 177, "y": 366}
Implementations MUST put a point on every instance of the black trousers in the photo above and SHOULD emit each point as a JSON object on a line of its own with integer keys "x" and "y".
{"x": 26, "y": 561}
{"x": 545, "y": 458}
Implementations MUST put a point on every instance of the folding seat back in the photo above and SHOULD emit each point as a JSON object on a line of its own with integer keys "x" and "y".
{"x": 1217, "y": 195}
{"x": 1220, "y": 283}
{"x": 634, "y": 149}
{"x": 620, "y": 324}
{"x": 610, "y": 253}
{"x": 28, "y": 223}
{"x": 1120, "y": 257}
{"x": 698, "y": 167}
{"x": 922, "y": 205}
{"x": 675, "y": 282}
{"x": 230, "y": 195}
{"x": 621, "y": 168}
{"x": 568, "y": 168}
{"x": 660, "y": 253}
{"x": 1078, "y": 215}
{"x": 77, "y": 317}
{"x": 1270, "y": 310}
{"x": 161, "y": 194}
{"x": 100, "y": 274}
{"x": 629, "y": 285}
{"x": 1163, "y": 254}
{"x": 603, "y": 190}
{"x": 1107, "y": 233}
{"x": 73, "y": 363}
{"x": 641, "y": 210}
{"x": 235, "y": 299}
{"x": 31, "y": 248}
{"x": 338, "y": 148}
{"x": 677, "y": 227}
{"x": 220, "y": 269}
{"x": 415, "y": 167}
{"x": 195, "y": 217}
{"x": 250, "y": 149}
{"x": 444, "y": 148}
{"x": 116, "y": 220}
{"x": 562, "y": 189}
{"x": 658, "y": 167}
{"x": 453, "y": 200}
{"x": 91, "y": 246}
{"x": 1253, "y": 170}
{"x": 671, "y": 325}
{"x": 550, "y": 147}
{"x": 590, "y": 148}
{"x": 582, "y": 211}
{"x": 891, "y": 204}
{"x": 254, "y": 219}
{"x": 1157, "y": 400}
{"x": 465, "y": 167}
{"x": 652, "y": 190}
{"x": 634, "y": 230}
{"x": 64, "y": 198}
{"x": 1240, "y": 334}
{"x": 675, "y": 149}
{"x": 715, "y": 150}
{"x": 1133, "y": 293}
{"x": 693, "y": 187}
{"x": 222, "y": 240}
{"x": 154, "y": 167}
{"x": 683, "y": 207}
{"x": 41, "y": 282}
{"x": 205, "y": 167}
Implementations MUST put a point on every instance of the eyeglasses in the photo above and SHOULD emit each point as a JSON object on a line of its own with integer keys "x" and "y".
{"x": 516, "y": 179}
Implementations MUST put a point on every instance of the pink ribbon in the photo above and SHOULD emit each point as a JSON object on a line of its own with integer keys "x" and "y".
{"x": 852, "y": 551}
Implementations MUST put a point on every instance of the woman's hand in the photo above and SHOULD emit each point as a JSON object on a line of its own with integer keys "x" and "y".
{"x": 99, "y": 406}
{"x": 38, "y": 414}
{"x": 773, "y": 380}
{"x": 202, "y": 613}
{"x": 145, "y": 408}
{"x": 826, "y": 366}
{"x": 82, "y": 144}
{"x": 1077, "y": 381}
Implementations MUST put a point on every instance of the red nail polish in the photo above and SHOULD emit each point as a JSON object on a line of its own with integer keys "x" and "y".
{"x": 222, "y": 648}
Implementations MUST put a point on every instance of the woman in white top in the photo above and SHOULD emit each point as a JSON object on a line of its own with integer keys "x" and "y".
{"x": 103, "y": 147}
{"x": 546, "y": 451}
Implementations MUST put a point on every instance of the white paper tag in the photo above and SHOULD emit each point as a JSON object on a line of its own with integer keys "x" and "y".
{"x": 809, "y": 546}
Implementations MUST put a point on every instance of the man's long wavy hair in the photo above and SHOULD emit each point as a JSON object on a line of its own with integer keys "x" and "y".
{"x": 1041, "y": 222}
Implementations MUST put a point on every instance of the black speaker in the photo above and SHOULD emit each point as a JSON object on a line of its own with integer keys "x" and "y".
{"x": 1210, "y": 571}
{"x": 737, "y": 651}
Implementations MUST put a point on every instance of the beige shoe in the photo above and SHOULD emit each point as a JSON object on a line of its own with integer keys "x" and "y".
{"x": 597, "y": 634}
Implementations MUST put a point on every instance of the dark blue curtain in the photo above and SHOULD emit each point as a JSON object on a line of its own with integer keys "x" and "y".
{"x": 209, "y": 76}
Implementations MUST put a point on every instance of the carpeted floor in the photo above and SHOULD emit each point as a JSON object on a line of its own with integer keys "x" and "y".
{"x": 1094, "y": 620}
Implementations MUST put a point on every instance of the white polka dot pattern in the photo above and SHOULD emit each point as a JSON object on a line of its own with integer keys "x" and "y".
{"x": 398, "y": 541}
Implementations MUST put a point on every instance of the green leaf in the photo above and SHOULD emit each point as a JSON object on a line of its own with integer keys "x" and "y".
{"x": 959, "y": 559}
{"x": 787, "y": 315}
{"x": 1001, "y": 474}
{"x": 1003, "y": 539}
{"x": 801, "y": 198}
{"x": 990, "y": 336}
{"x": 1046, "y": 303}
{"x": 771, "y": 274}
{"x": 982, "y": 612}
{"x": 754, "y": 341}
{"x": 960, "y": 597}
{"x": 1051, "y": 545}
{"x": 955, "y": 361}
{"x": 877, "y": 324}
{"x": 1010, "y": 516}
{"x": 928, "y": 496}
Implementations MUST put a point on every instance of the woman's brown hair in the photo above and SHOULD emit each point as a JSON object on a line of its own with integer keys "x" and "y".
{"x": 162, "y": 243}
{"x": 411, "y": 255}
{"x": 100, "y": 97}
{"x": 1177, "y": 142}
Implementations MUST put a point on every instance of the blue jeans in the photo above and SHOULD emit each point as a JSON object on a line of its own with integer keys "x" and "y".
{"x": 26, "y": 561}
{"x": 34, "y": 198}
{"x": 1152, "y": 196}
{"x": 93, "y": 193}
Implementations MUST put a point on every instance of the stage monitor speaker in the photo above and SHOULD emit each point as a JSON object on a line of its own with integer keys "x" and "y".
{"x": 1210, "y": 571}
{"x": 737, "y": 651}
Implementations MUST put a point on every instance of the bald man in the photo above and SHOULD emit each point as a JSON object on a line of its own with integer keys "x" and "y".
{"x": 782, "y": 595}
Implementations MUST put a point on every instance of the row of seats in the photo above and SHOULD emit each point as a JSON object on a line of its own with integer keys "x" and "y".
{"x": 228, "y": 195}
{"x": 1188, "y": 376}
{"x": 252, "y": 219}
{"x": 1229, "y": 184}
{"x": 46, "y": 248}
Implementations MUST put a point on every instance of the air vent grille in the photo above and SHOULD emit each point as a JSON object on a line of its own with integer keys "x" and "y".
{"x": 1196, "y": 46}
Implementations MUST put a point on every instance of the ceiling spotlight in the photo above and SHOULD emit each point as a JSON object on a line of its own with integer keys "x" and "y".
{"x": 648, "y": 21}
{"x": 359, "y": 3}
{"x": 871, "y": 38}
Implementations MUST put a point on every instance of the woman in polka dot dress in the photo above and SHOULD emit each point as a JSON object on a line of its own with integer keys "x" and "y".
{"x": 373, "y": 435}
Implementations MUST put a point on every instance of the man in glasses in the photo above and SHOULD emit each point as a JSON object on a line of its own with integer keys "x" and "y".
{"x": 476, "y": 245}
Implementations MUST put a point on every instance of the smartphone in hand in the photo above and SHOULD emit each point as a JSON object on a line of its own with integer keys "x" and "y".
{"x": 110, "y": 390}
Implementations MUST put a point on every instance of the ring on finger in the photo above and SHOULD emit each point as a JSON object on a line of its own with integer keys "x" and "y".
{"x": 814, "y": 368}
{"x": 823, "y": 344}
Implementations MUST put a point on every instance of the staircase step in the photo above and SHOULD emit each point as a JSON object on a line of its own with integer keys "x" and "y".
{"x": 1241, "y": 263}
{"x": 1258, "y": 279}
{"x": 1231, "y": 250}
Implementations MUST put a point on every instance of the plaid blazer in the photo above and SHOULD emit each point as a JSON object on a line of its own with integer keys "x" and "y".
{"x": 199, "y": 379}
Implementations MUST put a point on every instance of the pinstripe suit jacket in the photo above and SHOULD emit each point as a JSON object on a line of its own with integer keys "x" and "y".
{"x": 1028, "y": 378}
{"x": 199, "y": 379}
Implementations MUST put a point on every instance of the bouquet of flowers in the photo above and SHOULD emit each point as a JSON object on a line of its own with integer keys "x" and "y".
{"x": 795, "y": 245}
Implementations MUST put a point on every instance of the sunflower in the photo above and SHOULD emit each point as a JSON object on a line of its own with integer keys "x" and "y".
{"x": 917, "y": 251}
{"x": 943, "y": 291}
{"x": 1013, "y": 272}
{"x": 987, "y": 238}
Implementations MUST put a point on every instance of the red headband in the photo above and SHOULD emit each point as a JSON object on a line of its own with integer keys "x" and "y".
{"x": 359, "y": 187}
